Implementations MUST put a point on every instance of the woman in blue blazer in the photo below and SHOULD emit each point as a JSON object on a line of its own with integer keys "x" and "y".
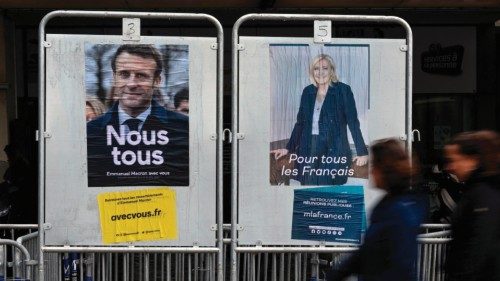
{"x": 318, "y": 145}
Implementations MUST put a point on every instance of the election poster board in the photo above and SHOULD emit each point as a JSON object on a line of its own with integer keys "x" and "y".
{"x": 124, "y": 167}
{"x": 304, "y": 158}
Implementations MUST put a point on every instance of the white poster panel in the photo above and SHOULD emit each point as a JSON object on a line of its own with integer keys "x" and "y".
{"x": 125, "y": 162}
{"x": 304, "y": 160}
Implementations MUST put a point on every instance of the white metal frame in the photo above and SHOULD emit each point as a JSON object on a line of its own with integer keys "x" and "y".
{"x": 235, "y": 113}
{"x": 42, "y": 134}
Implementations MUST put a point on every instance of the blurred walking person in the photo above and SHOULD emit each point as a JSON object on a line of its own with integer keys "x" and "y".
{"x": 389, "y": 251}
{"x": 474, "y": 252}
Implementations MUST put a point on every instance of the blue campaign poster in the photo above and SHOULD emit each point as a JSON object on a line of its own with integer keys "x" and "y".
{"x": 332, "y": 213}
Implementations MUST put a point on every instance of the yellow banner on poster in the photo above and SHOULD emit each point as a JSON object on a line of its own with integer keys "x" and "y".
{"x": 138, "y": 215}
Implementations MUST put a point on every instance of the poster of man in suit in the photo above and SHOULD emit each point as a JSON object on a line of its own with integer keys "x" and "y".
{"x": 135, "y": 136}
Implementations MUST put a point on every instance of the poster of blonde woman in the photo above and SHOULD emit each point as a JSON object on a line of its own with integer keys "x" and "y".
{"x": 319, "y": 102}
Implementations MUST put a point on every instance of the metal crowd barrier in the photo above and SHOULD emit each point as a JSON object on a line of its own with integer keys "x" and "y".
{"x": 432, "y": 252}
{"x": 17, "y": 262}
{"x": 254, "y": 263}
{"x": 308, "y": 263}
{"x": 278, "y": 264}
{"x": 101, "y": 265}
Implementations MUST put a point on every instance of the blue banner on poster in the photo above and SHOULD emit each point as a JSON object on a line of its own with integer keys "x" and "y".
{"x": 333, "y": 213}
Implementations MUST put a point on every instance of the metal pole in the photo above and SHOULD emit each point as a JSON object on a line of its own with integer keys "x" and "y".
{"x": 433, "y": 240}
{"x": 234, "y": 117}
{"x": 409, "y": 86}
{"x": 234, "y": 151}
{"x": 220, "y": 135}
{"x": 146, "y": 267}
{"x": 18, "y": 226}
{"x": 296, "y": 249}
{"x": 41, "y": 143}
{"x": 3, "y": 261}
{"x": 41, "y": 88}
{"x": 125, "y": 249}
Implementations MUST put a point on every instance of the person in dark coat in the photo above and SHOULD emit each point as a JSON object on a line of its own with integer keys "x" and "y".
{"x": 389, "y": 251}
{"x": 474, "y": 252}
{"x": 327, "y": 108}
{"x": 18, "y": 191}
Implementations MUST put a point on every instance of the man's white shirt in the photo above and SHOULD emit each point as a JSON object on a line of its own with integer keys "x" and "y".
{"x": 123, "y": 117}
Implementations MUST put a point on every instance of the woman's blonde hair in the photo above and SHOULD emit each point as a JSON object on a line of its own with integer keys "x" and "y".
{"x": 333, "y": 69}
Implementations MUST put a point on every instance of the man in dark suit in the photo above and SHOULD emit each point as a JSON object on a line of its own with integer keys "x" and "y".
{"x": 138, "y": 142}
